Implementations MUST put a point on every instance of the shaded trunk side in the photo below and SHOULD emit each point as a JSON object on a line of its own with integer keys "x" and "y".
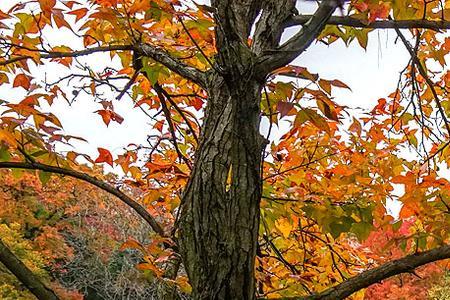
{"x": 220, "y": 210}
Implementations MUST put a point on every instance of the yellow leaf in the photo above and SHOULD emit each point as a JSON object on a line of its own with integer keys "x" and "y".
{"x": 284, "y": 226}
{"x": 8, "y": 137}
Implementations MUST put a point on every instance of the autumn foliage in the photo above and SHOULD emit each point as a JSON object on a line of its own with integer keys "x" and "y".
{"x": 325, "y": 178}
{"x": 392, "y": 243}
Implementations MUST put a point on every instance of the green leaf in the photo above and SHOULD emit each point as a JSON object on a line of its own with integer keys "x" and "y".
{"x": 4, "y": 154}
{"x": 422, "y": 242}
{"x": 44, "y": 177}
{"x": 17, "y": 173}
{"x": 361, "y": 230}
{"x": 396, "y": 226}
{"x": 307, "y": 114}
{"x": 362, "y": 37}
{"x": 402, "y": 245}
{"x": 39, "y": 153}
{"x": 340, "y": 225}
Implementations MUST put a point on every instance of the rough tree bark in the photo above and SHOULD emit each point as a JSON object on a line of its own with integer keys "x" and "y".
{"x": 220, "y": 212}
{"x": 220, "y": 208}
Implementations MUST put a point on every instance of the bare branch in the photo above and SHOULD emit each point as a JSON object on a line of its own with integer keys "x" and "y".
{"x": 382, "y": 24}
{"x": 424, "y": 74}
{"x": 92, "y": 180}
{"x": 302, "y": 165}
{"x": 25, "y": 275}
{"x": 160, "y": 91}
{"x": 180, "y": 112}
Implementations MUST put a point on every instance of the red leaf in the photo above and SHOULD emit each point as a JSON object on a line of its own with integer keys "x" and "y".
{"x": 47, "y": 5}
{"x": 88, "y": 40}
{"x": 106, "y": 115}
{"x": 4, "y": 16}
{"x": 362, "y": 7}
{"x": 109, "y": 115}
{"x": 23, "y": 81}
{"x": 284, "y": 107}
{"x": 380, "y": 107}
{"x": 58, "y": 17}
{"x": 104, "y": 156}
{"x": 380, "y": 11}
{"x": 79, "y": 13}
{"x": 159, "y": 125}
{"x": 197, "y": 103}
{"x": 296, "y": 71}
{"x": 107, "y": 3}
{"x": 71, "y": 4}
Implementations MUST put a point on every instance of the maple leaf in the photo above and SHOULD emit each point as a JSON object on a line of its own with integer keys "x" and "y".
{"x": 23, "y": 81}
{"x": 79, "y": 13}
{"x": 47, "y": 6}
{"x": 284, "y": 108}
{"x": 326, "y": 176}
{"x": 104, "y": 156}
{"x": 109, "y": 115}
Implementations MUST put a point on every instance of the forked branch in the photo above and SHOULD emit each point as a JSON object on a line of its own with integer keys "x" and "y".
{"x": 296, "y": 45}
{"x": 173, "y": 64}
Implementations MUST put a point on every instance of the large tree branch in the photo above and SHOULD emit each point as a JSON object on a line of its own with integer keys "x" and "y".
{"x": 234, "y": 19}
{"x": 25, "y": 275}
{"x": 403, "y": 265}
{"x": 94, "y": 181}
{"x": 382, "y": 24}
{"x": 173, "y": 63}
{"x": 284, "y": 54}
{"x": 271, "y": 24}
{"x": 61, "y": 54}
{"x": 153, "y": 52}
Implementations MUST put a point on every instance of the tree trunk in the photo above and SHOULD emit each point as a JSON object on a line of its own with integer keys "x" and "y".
{"x": 220, "y": 209}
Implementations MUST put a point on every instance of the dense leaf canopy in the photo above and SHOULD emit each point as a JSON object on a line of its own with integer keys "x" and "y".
{"x": 327, "y": 178}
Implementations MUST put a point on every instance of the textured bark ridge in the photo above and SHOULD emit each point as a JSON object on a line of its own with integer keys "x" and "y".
{"x": 219, "y": 221}
{"x": 220, "y": 210}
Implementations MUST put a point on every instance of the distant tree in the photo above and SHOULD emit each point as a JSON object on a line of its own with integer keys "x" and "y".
{"x": 70, "y": 235}
{"x": 385, "y": 245}
{"x": 440, "y": 290}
